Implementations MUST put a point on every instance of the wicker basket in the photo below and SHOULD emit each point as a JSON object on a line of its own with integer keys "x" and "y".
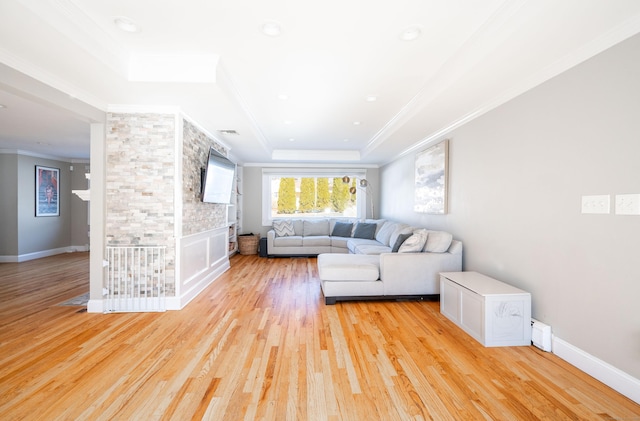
{"x": 248, "y": 243}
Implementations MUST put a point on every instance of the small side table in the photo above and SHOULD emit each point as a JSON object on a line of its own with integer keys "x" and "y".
{"x": 492, "y": 312}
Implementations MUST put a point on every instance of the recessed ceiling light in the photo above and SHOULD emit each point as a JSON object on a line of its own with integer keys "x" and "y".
{"x": 345, "y": 140}
{"x": 411, "y": 33}
{"x": 283, "y": 97}
{"x": 288, "y": 122}
{"x": 371, "y": 98}
{"x": 271, "y": 29}
{"x": 292, "y": 140}
{"x": 126, "y": 24}
{"x": 3, "y": 106}
{"x": 356, "y": 123}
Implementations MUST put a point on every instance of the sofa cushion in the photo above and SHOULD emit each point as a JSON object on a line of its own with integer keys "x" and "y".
{"x": 372, "y": 249}
{"x": 415, "y": 243}
{"x": 339, "y": 241}
{"x": 289, "y": 241}
{"x": 438, "y": 242}
{"x": 347, "y": 267}
{"x": 316, "y": 240}
{"x": 365, "y": 230}
{"x": 283, "y": 227}
{"x": 354, "y": 243}
{"x": 400, "y": 229}
{"x": 384, "y": 233}
{"x": 342, "y": 229}
{"x": 315, "y": 227}
{"x": 297, "y": 226}
{"x": 399, "y": 241}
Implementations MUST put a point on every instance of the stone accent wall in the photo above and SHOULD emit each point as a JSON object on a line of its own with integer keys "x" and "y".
{"x": 198, "y": 216}
{"x": 140, "y": 165}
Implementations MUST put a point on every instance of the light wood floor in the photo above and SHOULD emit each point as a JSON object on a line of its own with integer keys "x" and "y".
{"x": 259, "y": 343}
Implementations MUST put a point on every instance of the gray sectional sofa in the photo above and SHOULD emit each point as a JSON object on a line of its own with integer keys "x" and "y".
{"x": 369, "y": 259}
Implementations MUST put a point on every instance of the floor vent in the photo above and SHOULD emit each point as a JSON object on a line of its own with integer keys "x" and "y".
{"x": 541, "y": 335}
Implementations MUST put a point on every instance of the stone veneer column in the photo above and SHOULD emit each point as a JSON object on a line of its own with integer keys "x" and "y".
{"x": 140, "y": 165}
{"x": 198, "y": 216}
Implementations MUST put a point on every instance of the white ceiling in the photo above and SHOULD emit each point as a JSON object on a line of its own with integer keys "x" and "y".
{"x": 211, "y": 60}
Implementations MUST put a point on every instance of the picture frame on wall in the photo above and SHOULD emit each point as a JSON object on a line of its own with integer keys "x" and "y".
{"x": 47, "y": 191}
{"x": 431, "y": 179}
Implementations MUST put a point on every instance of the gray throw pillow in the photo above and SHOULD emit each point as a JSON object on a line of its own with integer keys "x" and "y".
{"x": 399, "y": 241}
{"x": 365, "y": 230}
{"x": 342, "y": 229}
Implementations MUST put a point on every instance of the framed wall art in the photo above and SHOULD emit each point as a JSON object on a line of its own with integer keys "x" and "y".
{"x": 47, "y": 191}
{"x": 431, "y": 177}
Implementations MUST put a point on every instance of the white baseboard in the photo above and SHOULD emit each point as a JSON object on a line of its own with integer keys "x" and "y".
{"x": 95, "y": 306}
{"x": 40, "y": 254}
{"x": 173, "y": 303}
{"x": 178, "y": 303}
{"x": 616, "y": 379}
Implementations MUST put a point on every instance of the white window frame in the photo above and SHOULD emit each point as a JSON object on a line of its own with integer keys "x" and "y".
{"x": 268, "y": 173}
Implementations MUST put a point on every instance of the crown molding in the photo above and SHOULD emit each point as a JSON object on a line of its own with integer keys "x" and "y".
{"x": 609, "y": 39}
{"x": 37, "y": 155}
{"x": 226, "y": 83}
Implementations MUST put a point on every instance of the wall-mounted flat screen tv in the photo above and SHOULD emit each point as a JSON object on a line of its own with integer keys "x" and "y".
{"x": 217, "y": 178}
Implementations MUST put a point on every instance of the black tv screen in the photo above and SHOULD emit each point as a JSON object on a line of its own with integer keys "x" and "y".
{"x": 217, "y": 181}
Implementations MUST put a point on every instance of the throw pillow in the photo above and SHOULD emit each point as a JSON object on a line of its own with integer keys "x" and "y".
{"x": 319, "y": 227}
{"x": 401, "y": 229}
{"x": 401, "y": 239}
{"x": 365, "y": 230}
{"x": 283, "y": 227}
{"x": 342, "y": 229}
{"x": 384, "y": 234}
{"x": 438, "y": 242}
{"x": 415, "y": 243}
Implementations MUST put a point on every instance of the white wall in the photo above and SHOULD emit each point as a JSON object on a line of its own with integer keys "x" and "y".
{"x": 517, "y": 175}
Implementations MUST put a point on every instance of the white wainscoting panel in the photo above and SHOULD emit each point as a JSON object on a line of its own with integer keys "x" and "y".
{"x": 203, "y": 257}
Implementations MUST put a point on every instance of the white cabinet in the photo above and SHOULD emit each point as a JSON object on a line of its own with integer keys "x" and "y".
{"x": 492, "y": 312}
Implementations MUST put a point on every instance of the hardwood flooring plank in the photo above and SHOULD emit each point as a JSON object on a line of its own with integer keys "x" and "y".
{"x": 259, "y": 343}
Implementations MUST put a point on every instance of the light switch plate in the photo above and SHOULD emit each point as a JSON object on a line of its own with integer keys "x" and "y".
{"x": 596, "y": 204}
{"x": 628, "y": 204}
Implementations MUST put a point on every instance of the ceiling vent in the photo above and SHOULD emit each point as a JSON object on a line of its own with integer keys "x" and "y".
{"x": 227, "y": 132}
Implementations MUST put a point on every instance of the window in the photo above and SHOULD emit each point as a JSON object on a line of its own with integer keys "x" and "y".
{"x": 302, "y": 193}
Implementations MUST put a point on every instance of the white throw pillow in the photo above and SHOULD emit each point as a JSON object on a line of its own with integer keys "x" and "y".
{"x": 438, "y": 242}
{"x": 415, "y": 243}
{"x": 283, "y": 227}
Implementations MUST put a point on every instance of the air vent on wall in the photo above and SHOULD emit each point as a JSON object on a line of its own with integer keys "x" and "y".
{"x": 227, "y": 132}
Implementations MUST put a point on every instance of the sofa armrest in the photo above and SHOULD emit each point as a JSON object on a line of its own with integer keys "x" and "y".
{"x": 416, "y": 273}
{"x": 271, "y": 235}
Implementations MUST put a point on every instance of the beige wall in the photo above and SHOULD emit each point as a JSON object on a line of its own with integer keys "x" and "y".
{"x": 8, "y": 204}
{"x": 517, "y": 175}
{"x": 79, "y": 208}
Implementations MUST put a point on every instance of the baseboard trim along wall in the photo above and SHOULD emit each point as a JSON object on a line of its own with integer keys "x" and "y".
{"x": 616, "y": 379}
{"x": 43, "y": 253}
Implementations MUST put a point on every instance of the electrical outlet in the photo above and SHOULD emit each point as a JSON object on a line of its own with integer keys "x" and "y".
{"x": 628, "y": 204}
{"x": 596, "y": 204}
